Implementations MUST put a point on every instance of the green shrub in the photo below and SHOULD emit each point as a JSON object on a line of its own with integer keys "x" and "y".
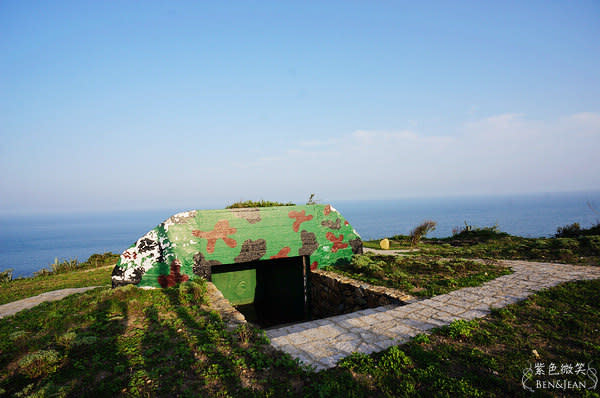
{"x": 64, "y": 266}
{"x": 259, "y": 203}
{"x": 568, "y": 231}
{"x": 194, "y": 292}
{"x": 366, "y": 263}
{"x": 244, "y": 333}
{"x": 39, "y": 363}
{"x": 460, "y": 328}
{"x": 338, "y": 384}
{"x": 483, "y": 234}
{"x": 66, "y": 339}
{"x": 101, "y": 260}
{"x": 18, "y": 336}
{"x": 394, "y": 361}
{"x": 574, "y": 230}
{"x": 590, "y": 244}
{"x": 422, "y": 338}
{"x": 59, "y": 267}
{"x": 357, "y": 362}
{"x": 6, "y": 275}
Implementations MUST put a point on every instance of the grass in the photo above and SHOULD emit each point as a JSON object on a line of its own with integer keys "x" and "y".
{"x": 420, "y": 275}
{"x": 136, "y": 342}
{"x": 486, "y": 357}
{"x": 96, "y": 271}
{"x": 94, "y": 261}
{"x": 257, "y": 203}
{"x": 492, "y": 244}
{"x": 28, "y": 287}
{"x": 130, "y": 342}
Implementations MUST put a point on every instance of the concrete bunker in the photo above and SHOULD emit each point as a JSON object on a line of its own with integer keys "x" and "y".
{"x": 267, "y": 292}
{"x": 259, "y": 258}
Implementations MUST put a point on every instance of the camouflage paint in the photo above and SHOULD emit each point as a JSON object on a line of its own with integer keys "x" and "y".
{"x": 188, "y": 244}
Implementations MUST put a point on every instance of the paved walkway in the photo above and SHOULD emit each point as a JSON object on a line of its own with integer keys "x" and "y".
{"x": 389, "y": 252}
{"x": 16, "y": 306}
{"x": 323, "y": 342}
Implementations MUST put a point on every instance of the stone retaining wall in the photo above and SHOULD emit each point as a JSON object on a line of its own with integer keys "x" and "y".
{"x": 333, "y": 294}
{"x": 232, "y": 317}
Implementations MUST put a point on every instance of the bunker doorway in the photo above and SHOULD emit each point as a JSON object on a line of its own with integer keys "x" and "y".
{"x": 267, "y": 292}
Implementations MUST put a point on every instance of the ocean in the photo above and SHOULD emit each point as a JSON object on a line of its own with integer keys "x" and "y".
{"x": 29, "y": 243}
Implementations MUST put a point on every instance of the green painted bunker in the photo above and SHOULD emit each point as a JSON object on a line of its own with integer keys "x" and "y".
{"x": 257, "y": 257}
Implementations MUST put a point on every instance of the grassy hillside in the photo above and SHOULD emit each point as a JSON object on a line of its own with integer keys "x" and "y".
{"x": 130, "y": 342}
{"x": 66, "y": 274}
{"x": 134, "y": 342}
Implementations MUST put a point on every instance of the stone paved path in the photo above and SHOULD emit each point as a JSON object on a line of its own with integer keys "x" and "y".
{"x": 16, "y": 306}
{"x": 389, "y": 252}
{"x": 323, "y": 342}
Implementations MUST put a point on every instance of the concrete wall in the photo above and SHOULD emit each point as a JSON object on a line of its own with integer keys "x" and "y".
{"x": 333, "y": 294}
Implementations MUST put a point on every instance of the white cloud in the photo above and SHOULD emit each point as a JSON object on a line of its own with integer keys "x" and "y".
{"x": 506, "y": 153}
{"x": 502, "y": 153}
{"x": 587, "y": 123}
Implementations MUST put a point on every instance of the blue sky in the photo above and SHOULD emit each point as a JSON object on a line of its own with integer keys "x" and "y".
{"x": 137, "y": 105}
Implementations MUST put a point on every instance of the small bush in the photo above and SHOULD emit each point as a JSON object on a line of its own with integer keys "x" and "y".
{"x": 568, "y": 231}
{"x": 64, "y": 266}
{"x": 59, "y": 267}
{"x": 244, "y": 333}
{"x": 422, "y": 338}
{"x": 366, "y": 263}
{"x": 482, "y": 234}
{"x": 591, "y": 243}
{"x": 460, "y": 328}
{"x": 194, "y": 291}
{"x": 100, "y": 260}
{"x": 395, "y": 361}
{"x": 420, "y": 231}
{"x": 18, "y": 336}
{"x": 259, "y": 203}
{"x": 574, "y": 230}
{"x": 39, "y": 363}
{"x": 66, "y": 339}
{"x": 6, "y": 276}
{"x": 358, "y": 362}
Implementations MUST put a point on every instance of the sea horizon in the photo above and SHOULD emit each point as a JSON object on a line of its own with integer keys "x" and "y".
{"x": 31, "y": 241}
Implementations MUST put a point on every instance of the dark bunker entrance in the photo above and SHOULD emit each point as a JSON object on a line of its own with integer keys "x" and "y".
{"x": 266, "y": 292}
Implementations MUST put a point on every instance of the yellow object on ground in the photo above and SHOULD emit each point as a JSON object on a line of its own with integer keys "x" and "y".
{"x": 385, "y": 244}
